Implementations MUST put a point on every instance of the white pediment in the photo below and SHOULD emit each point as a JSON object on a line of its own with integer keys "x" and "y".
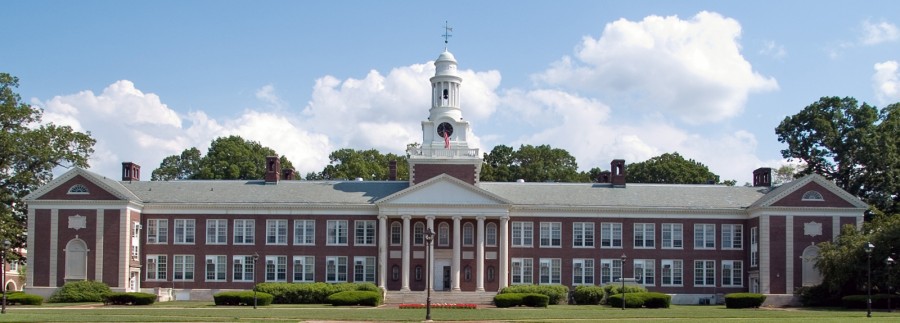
{"x": 445, "y": 190}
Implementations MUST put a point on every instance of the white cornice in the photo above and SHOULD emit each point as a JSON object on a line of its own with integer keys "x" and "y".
{"x": 259, "y": 208}
{"x": 807, "y": 211}
{"x": 84, "y": 204}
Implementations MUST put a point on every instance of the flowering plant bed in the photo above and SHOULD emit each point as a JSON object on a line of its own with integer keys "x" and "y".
{"x": 441, "y": 305}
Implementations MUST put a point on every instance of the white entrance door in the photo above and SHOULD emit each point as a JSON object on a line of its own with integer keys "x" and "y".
{"x": 441, "y": 274}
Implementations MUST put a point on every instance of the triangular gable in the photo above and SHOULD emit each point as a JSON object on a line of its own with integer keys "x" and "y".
{"x": 97, "y": 187}
{"x": 791, "y": 195}
{"x": 443, "y": 189}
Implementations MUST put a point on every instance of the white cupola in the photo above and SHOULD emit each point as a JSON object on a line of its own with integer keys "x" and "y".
{"x": 445, "y": 88}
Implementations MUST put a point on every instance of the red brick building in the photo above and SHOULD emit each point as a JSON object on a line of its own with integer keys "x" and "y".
{"x": 199, "y": 237}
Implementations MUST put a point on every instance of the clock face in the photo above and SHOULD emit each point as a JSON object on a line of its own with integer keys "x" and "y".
{"x": 445, "y": 128}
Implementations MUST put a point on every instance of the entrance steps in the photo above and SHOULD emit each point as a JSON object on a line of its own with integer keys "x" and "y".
{"x": 419, "y": 296}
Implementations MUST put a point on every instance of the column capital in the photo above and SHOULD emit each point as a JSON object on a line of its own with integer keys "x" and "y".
{"x": 406, "y": 217}
{"x": 504, "y": 218}
{"x": 429, "y": 217}
{"x": 382, "y": 217}
{"x": 457, "y": 217}
{"x": 480, "y": 218}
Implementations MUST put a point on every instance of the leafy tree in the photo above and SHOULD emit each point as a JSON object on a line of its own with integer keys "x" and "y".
{"x": 229, "y": 157}
{"x": 854, "y": 145}
{"x": 30, "y": 152}
{"x": 367, "y": 164}
{"x": 786, "y": 173}
{"x": 499, "y": 165}
{"x": 530, "y": 163}
{"x": 671, "y": 168}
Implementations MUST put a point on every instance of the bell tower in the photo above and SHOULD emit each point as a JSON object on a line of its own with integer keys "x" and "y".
{"x": 445, "y": 148}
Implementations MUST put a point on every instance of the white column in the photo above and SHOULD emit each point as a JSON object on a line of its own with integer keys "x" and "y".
{"x": 405, "y": 256}
{"x": 457, "y": 252}
{"x": 54, "y": 245}
{"x": 382, "y": 251}
{"x": 479, "y": 256}
{"x": 503, "y": 273}
{"x": 33, "y": 253}
{"x": 98, "y": 246}
{"x": 789, "y": 253}
{"x": 765, "y": 273}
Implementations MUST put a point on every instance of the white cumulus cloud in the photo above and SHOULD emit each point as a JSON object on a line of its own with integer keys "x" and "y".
{"x": 877, "y": 33}
{"x": 886, "y": 82}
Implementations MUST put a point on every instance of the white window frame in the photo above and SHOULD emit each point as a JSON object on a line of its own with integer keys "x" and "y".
{"x": 550, "y": 271}
{"x": 705, "y": 273}
{"x": 490, "y": 234}
{"x": 335, "y": 269}
{"x": 157, "y": 267}
{"x": 305, "y": 232}
{"x": 419, "y": 234}
{"x": 812, "y": 196}
{"x": 704, "y": 236}
{"x": 364, "y": 269}
{"x": 583, "y": 234}
{"x": 364, "y": 234}
{"x": 185, "y": 231}
{"x": 733, "y": 236}
{"x": 217, "y": 231}
{"x": 304, "y": 269}
{"x": 443, "y": 234}
{"x": 732, "y": 273}
{"x": 551, "y": 234}
{"x": 582, "y": 271}
{"x": 610, "y": 270}
{"x": 242, "y": 269}
{"x": 337, "y": 233}
{"x": 276, "y": 232}
{"x": 644, "y": 236}
{"x": 673, "y": 271}
{"x": 611, "y": 235}
{"x": 183, "y": 267}
{"x": 216, "y": 268}
{"x": 647, "y": 270}
{"x": 157, "y": 231}
{"x": 522, "y": 271}
{"x": 522, "y": 234}
{"x": 244, "y": 232}
{"x": 396, "y": 233}
{"x": 276, "y": 268}
{"x": 672, "y": 236}
{"x": 468, "y": 234}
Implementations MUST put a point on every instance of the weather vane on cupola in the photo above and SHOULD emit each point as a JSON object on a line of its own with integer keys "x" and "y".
{"x": 446, "y": 35}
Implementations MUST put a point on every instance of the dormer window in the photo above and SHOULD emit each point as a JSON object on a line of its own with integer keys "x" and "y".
{"x": 78, "y": 189}
{"x": 812, "y": 196}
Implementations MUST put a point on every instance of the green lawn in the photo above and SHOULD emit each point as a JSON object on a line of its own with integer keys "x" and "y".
{"x": 206, "y": 312}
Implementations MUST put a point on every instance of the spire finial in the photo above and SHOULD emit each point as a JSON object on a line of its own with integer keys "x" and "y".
{"x": 446, "y": 35}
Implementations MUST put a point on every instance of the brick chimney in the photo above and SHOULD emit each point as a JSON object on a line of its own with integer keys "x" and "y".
{"x": 287, "y": 174}
{"x": 273, "y": 169}
{"x": 131, "y": 171}
{"x": 604, "y": 177}
{"x": 392, "y": 170}
{"x": 617, "y": 169}
{"x": 762, "y": 177}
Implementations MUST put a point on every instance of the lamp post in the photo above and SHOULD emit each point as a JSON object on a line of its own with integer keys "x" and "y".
{"x": 868, "y": 248}
{"x": 623, "y": 280}
{"x": 255, "y": 259}
{"x": 429, "y": 236}
{"x": 3, "y": 275}
{"x": 890, "y": 265}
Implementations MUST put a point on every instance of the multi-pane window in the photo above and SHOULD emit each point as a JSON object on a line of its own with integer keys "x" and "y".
{"x": 276, "y": 268}
{"x": 276, "y": 232}
{"x": 243, "y": 231}
{"x": 732, "y": 273}
{"x": 551, "y": 234}
{"x": 305, "y": 232}
{"x": 216, "y": 268}
{"x": 184, "y": 231}
{"x": 754, "y": 247}
{"x": 217, "y": 231}
{"x": 672, "y": 272}
{"x": 396, "y": 233}
{"x": 522, "y": 270}
{"x": 183, "y": 267}
{"x": 443, "y": 238}
{"x": 304, "y": 269}
{"x": 645, "y": 272}
{"x": 704, "y": 236}
{"x": 610, "y": 270}
{"x": 157, "y": 231}
{"x": 364, "y": 269}
{"x": 672, "y": 236}
{"x": 490, "y": 234}
{"x": 335, "y": 269}
{"x": 732, "y": 236}
{"x": 610, "y": 235}
{"x": 550, "y": 271}
{"x": 468, "y": 234}
{"x": 365, "y": 232}
{"x": 419, "y": 234}
{"x": 582, "y": 271}
{"x": 583, "y": 234}
{"x": 704, "y": 273}
{"x": 242, "y": 268}
{"x": 336, "y": 233}
{"x": 522, "y": 234}
{"x": 157, "y": 266}
{"x": 644, "y": 235}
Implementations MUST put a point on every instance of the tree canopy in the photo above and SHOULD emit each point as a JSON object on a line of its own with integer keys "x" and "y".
{"x": 366, "y": 164}
{"x": 229, "y": 157}
{"x": 856, "y": 146}
{"x": 31, "y": 151}
{"x": 671, "y": 168}
{"x": 530, "y": 163}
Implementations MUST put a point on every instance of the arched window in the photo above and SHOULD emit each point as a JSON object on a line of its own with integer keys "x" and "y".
{"x": 76, "y": 260}
{"x": 444, "y": 234}
{"x": 78, "y": 189}
{"x": 419, "y": 234}
{"x": 395, "y": 272}
{"x": 418, "y": 273}
{"x": 396, "y": 233}
{"x": 490, "y": 234}
{"x": 812, "y": 196}
{"x": 468, "y": 234}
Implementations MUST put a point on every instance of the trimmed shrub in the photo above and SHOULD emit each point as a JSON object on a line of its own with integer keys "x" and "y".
{"x": 508, "y": 299}
{"x": 656, "y": 300}
{"x": 744, "y": 300}
{"x": 21, "y": 298}
{"x": 819, "y": 295}
{"x": 588, "y": 295}
{"x": 80, "y": 291}
{"x": 632, "y": 300}
{"x": 613, "y": 288}
{"x": 355, "y": 297}
{"x": 244, "y": 297}
{"x": 117, "y": 298}
{"x": 535, "y": 300}
{"x": 310, "y": 293}
{"x": 878, "y": 301}
{"x": 556, "y": 293}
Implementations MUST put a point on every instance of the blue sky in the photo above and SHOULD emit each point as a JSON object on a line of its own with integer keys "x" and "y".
{"x": 601, "y": 79}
